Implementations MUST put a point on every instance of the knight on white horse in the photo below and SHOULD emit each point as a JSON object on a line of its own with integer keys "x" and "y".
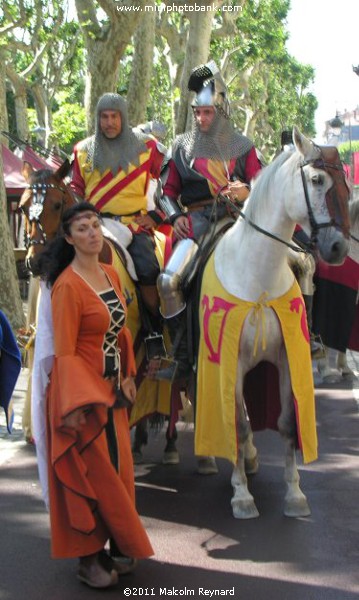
{"x": 252, "y": 312}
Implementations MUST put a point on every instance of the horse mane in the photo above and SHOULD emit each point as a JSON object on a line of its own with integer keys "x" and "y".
{"x": 261, "y": 195}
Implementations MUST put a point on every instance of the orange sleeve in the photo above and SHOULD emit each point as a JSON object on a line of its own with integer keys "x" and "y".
{"x": 66, "y": 313}
{"x": 74, "y": 382}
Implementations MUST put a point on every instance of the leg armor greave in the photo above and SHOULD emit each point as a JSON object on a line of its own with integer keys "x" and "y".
{"x": 169, "y": 282}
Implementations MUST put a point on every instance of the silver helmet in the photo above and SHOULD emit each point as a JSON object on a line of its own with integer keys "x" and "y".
{"x": 209, "y": 87}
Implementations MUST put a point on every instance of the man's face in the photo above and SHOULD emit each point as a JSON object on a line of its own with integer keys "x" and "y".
{"x": 110, "y": 123}
{"x": 204, "y": 116}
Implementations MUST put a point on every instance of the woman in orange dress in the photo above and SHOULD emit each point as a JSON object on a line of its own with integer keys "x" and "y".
{"x": 91, "y": 480}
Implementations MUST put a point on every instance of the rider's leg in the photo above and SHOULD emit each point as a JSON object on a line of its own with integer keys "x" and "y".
{"x": 173, "y": 307}
{"x": 149, "y": 295}
{"x": 142, "y": 251}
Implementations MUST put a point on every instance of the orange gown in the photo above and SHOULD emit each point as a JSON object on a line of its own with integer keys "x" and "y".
{"x": 90, "y": 501}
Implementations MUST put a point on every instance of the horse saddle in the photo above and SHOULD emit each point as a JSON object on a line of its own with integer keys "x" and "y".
{"x": 121, "y": 237}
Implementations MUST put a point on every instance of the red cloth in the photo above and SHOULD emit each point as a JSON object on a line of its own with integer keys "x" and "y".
{"x": 356, "y": 168}
{"x": 347, "y": 171}
{"x": 15, "y": 183}
{"x": 173, "y": 185}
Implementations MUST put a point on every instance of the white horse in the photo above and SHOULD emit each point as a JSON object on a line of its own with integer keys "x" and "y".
{"x": 245, "y": 284}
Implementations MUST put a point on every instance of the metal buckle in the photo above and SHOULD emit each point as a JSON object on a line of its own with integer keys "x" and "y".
{"x": 155, "y": 346}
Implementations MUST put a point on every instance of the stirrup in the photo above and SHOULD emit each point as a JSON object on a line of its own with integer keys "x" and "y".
{"x": 155, "y": 346}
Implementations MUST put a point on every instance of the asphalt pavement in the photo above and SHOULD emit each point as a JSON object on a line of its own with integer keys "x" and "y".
{"x": 200, "y": 549}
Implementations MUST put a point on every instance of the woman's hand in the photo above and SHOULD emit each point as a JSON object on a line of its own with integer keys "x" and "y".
{"x": 76, "y": 419}
{"x": 128, "y": 387}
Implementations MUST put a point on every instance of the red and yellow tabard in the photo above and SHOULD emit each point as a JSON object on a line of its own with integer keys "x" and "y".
{"x": 123, "y": 193}
{"x": 221, "y": 318}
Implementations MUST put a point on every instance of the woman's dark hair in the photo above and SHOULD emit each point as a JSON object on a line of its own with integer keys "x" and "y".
{"x": 59, "y": 254}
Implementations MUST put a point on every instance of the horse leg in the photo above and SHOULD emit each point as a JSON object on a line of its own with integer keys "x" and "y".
{"x": 171, "y": 455}
{"x": 242, "y": 502}
{"x": 251, "y": 463}
{"x": 295, "y": 502}
{"x": 327, "y": 374}
{"x": 343, "y": 367}
{"x": 206, "y": 465}
{"x": 140, "y": 439}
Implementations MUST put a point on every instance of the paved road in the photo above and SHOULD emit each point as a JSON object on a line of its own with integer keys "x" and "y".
{"x": 199, "y": 546}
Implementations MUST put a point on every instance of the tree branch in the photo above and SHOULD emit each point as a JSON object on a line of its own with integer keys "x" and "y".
{"x": 86, "y": 14}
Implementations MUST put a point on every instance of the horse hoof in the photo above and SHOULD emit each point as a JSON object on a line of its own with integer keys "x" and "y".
{"x": 296, "y": 508}
{"x": 137, "y": 457}
{"x": 349, "y": 376}
{"x": 170, "y": 458}
{"x": 333, "y": 378}
{"x": 251, "y": 465}
{"x": 244, "y": 509}
{"x": 207, "y": 466}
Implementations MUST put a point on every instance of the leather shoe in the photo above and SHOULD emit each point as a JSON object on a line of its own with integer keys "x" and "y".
{"x": 124, "y": 564}
{"x": 95, "y": 576}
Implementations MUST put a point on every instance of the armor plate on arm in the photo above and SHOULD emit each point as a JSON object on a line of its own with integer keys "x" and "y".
{"x": 170, "y": 207}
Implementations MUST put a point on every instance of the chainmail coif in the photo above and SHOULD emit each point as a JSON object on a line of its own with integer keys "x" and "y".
{"x": 117, "y": 153}
{"x": 220, "y": 142}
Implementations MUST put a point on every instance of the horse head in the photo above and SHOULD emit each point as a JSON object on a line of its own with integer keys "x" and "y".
{"x": 43, "y": 203}
{"x": 326, "y": 196}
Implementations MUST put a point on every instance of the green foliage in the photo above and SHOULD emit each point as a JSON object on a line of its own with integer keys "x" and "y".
{"x": 268, "y": 88}
{"x": 265, "y": 81}
{"x": 69, "y": 125}
{"x": 346, "y": 150}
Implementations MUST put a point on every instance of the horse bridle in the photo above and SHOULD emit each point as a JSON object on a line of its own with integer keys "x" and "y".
{"x": 39, "y": 191}
{"x": 318, "y": 163}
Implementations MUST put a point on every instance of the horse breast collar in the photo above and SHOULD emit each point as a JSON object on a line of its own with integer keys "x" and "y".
{"x": 336, "y": 197}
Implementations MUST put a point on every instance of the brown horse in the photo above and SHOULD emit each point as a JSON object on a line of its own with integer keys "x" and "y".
{"x": 46, "y": 198}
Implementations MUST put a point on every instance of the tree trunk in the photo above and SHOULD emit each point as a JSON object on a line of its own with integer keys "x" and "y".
{"x": 105, "y": 45}
{"x": 102, "y": 77}
{"x": 43, "y": 112}
{"x": 197, "y": 51}
{"x": 4, "y": 121}
{"x": 140, "y": 81}
{"x": 10, "y": 300}
{"x": 22, "y": 123}
{"x": 19, "y": 87}
{"x": 40, "y": 107}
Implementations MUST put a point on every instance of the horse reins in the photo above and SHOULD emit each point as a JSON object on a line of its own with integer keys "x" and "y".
{"x": 314, "y": 225}
{"x": 236, "y": 208}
